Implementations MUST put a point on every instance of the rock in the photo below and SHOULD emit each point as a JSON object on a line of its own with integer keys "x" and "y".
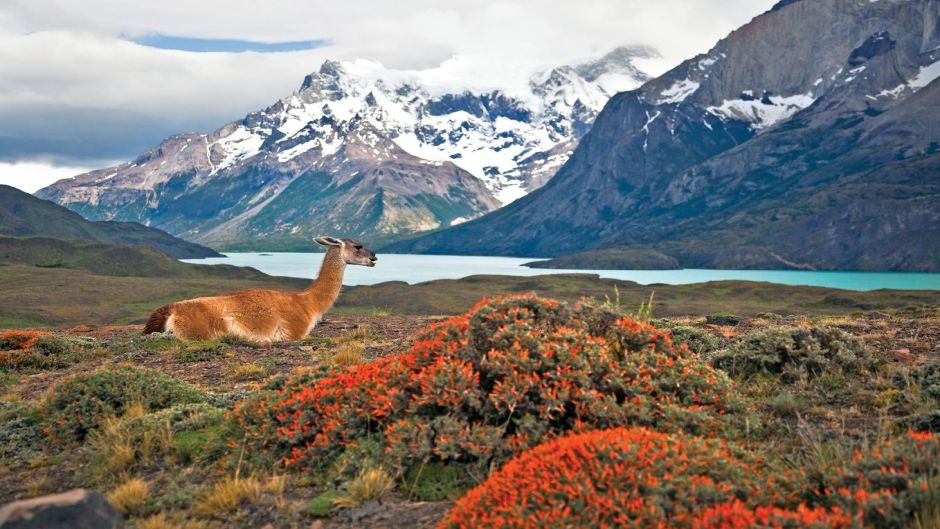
{"x": 75, "y": 509}
{"x": 904, "y": 356}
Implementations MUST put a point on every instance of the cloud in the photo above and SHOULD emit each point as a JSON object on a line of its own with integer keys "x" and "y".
{"x": 33, "y": 176}
{"x": 75, "y": 90}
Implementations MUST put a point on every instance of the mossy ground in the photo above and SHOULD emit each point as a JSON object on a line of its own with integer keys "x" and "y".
{"x": 188, "y": 459}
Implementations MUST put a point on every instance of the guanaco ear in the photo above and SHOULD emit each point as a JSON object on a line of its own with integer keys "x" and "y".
{"x": 328, "y": 241}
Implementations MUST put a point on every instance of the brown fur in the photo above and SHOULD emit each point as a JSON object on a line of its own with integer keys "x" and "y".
{"x": 264, "y": 315}
{"x": 157, "y": 321}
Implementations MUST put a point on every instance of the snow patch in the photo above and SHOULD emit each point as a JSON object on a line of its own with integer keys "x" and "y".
{"x": 678, "y": 92}
{"x": 761, "y": 115}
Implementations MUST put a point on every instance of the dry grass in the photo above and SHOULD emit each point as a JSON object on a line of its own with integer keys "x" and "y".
{"x": 226, "y": 495}
{"x": 246, "y": 371}
{"x": 129, "y": 496}
{"x": 349, "y": 354}
{"x": 370, "y": 484}
{"x": 161, "y": 521}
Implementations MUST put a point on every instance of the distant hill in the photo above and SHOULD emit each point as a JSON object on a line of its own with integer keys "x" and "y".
{"x": 23, "y": 215}
{"x": 110, "y": 259}
{"x": 54, "y": 282}
{"x": 808, "y": 138}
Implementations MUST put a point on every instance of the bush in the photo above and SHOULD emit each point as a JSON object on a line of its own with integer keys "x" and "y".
{"x": 699, "y": 340}
{"x": 482, "y": 387}
{"x": 890, "y": 483}
{"x": 40, "y": 350}
{"x": 623, "y": 477}
{"x": 19, "y": 340}
{"x": 81, "y": 402}
{"x": 738, "y": 515}
{"x": 794, "y": 352}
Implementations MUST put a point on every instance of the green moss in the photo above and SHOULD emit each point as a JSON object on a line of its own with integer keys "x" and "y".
{"x": 436, "y": 481}
{"x": 199, "y": 350}
{"x": 322, "y": 505}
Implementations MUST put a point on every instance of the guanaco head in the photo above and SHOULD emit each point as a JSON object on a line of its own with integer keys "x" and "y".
{"x": 352, "y": 250}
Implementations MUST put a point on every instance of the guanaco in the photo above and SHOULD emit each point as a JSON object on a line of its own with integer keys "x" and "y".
{"x": 263, "y": 315}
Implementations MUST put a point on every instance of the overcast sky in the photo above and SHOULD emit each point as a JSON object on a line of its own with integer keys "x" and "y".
{"x": 87, "y": 83}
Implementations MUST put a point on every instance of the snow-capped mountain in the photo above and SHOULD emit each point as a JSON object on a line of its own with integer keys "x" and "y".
{"x": 808, "y": 138}
{"x": 396, "y": 156}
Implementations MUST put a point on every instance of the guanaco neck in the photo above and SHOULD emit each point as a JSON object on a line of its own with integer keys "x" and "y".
{"x": 322, "y": 293}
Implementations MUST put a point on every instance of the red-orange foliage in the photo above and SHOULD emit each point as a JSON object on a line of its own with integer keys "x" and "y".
{"x": 737, "y": 515}
{"x": 19, "y": 340}
{"x": 623, "y": 477}
{"x": 511, "y": 373}
{"x": 888, "y": 483}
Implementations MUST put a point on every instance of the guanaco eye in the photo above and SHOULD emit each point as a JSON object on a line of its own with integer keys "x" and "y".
{"x": 358, "y": 246}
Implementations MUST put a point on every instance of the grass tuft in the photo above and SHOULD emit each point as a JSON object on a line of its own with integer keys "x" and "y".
{"x": 246, "y": 371}
{"x": 226, "y": 495}
{"x": 129, "y": 496}
{"x": 370, "y": 484}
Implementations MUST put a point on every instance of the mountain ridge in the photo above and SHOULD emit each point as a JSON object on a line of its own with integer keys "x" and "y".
{"x": 689, "y": 164}
{"x": 373, "y": 159}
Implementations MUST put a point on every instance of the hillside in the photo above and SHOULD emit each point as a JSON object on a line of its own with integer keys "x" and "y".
{"x": 805, "y": 139}
{"x": 47, "y": 282}
{"x": 357, "y": 150}
{"x": 23, "y": 215}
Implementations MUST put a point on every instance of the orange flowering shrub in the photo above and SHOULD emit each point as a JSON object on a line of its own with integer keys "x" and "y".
{"x": 15, "y": 346}
{"x": 479, "y": 388}
{"x": 19, "y": 340}
{"x": 738, "y": 515}
{"x": 622, "y": 477}
{"x": 889, "y": 483}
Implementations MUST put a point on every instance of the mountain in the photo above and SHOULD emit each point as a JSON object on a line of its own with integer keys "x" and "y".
{"x": 23, "y": 215}
{"x": 808, "y": 138}
{"x": 357, "y": 154}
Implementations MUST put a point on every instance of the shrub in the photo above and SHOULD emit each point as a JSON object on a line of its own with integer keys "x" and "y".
{"x": 890, "y": 483}
{"x": 623, "y": 477}
{"x": 81, "y": 402}
{"x": 479, "y": 388}
{"x": 188, "y": 432}
{"x": 699, "y": 340}
{"x": 738, "y": 515}
{"x": 794, "y": 352}
{"x": 19, "y": 340}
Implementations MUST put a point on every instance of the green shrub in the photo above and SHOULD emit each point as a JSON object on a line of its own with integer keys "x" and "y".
{"x": 699, "y": 340}
{"x": 81, "y": 402}
{"x": 45, "y": 351}
{"x": 722, "y": 318}
{"x": 794, "y": 353}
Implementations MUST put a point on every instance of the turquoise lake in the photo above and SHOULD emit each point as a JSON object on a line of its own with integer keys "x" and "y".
{"x": 420, "y": 268}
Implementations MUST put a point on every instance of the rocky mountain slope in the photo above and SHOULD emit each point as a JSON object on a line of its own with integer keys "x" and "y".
{"x": 353, "y": 153}
{"x": 23, "y": 215}
{"x": 808, "y": 138}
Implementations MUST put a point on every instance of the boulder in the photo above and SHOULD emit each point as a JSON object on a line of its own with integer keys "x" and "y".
{"x": 75, "y": 509}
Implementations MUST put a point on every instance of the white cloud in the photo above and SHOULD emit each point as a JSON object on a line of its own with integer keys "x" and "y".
{"x": 33, "y": 176}
{"x": 72, "y": 88}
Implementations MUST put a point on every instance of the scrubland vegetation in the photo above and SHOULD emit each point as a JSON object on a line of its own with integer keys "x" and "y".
{"x": 521, "y": 412}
